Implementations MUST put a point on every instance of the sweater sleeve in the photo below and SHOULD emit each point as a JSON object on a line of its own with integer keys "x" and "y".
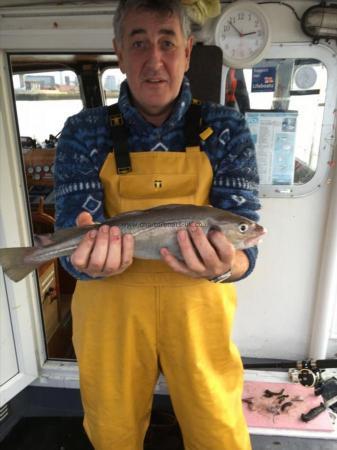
{"x": 235, "y": 181}
{"x": 77, "y": 184}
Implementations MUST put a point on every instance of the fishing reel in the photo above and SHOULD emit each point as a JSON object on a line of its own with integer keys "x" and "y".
{"x": 307, "y": 376}
{"x": 309, "y": 373}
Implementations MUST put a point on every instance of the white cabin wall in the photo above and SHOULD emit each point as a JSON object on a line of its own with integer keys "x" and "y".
{"x": 8, "y": 362}
{"x": 277, "y": 303}
{"x": 20, "y": 318}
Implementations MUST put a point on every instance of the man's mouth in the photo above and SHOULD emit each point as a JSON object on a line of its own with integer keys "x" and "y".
{"x": 155, "y": 80}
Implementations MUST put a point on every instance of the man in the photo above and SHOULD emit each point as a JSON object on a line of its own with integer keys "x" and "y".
{"x": 136, "y": 318}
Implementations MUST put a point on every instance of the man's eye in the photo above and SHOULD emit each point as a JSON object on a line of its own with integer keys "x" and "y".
{"x": 167, "y": 44}
{"x": 138, "y": 44}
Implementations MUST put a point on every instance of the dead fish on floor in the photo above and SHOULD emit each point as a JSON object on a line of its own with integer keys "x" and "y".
{"x": 152, "y": 229}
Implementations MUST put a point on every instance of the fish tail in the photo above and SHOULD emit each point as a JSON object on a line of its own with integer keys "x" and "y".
{"x": 13, "y": 262}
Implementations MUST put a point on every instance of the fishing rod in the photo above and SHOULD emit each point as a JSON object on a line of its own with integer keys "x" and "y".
{"x": 306, "y": 364}
{"x": 309, "y": 371}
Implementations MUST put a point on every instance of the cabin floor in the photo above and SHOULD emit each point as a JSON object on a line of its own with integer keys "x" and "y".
{"x": 66, "y": 433}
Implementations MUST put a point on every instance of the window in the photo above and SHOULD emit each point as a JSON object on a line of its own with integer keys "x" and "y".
{"x": 287, "y": 107}
{"x": 44, "y": 100}
{"x": 111, "y": 81}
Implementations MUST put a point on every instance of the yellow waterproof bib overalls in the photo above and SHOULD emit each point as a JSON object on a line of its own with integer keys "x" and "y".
{"x": 127, "y": 328}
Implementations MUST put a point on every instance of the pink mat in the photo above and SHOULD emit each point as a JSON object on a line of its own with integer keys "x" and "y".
{"x": 263, "y": 412}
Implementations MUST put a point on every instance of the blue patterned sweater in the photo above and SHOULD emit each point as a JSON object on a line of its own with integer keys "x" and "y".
{"x": 86, "y": 141}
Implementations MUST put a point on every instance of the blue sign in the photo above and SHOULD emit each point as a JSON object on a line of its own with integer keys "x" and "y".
{"x": 263, "y": 79}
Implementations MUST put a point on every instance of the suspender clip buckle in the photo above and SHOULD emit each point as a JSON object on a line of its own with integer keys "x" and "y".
{"x": 117, "y": 120}
{"x": 123, "y": 170}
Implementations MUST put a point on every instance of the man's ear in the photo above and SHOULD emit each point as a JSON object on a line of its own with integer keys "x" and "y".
{"x": 119, "y": 54}
{"x": 188, "y": 51}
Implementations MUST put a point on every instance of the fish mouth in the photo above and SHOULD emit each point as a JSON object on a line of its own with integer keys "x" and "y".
{"x": 256, "y": 239}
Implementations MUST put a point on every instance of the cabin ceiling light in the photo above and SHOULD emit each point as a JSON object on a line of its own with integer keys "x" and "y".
{"x": 320, "y": 21}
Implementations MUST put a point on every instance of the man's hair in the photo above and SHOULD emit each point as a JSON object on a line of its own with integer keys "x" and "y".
{"x": 158, "y": 6}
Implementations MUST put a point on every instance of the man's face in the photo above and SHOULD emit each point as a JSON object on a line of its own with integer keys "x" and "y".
{"x": 154, "y": 55}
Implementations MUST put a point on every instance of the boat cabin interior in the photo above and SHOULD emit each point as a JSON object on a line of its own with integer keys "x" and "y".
{"x": 56, "y": 59}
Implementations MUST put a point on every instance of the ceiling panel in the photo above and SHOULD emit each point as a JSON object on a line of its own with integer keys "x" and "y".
{"x": 18, "y": 3}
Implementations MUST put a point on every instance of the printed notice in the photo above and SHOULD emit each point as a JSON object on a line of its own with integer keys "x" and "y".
{"x": 263, "y": 79}
{"x": 274, "y": 134}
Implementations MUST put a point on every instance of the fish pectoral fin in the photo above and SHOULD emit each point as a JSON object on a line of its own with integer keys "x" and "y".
{"x": 41, "y": 240}
{"x": 12, "y": 262}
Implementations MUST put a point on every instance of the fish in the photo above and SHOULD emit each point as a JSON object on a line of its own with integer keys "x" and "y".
{"x": 152, "y": 229}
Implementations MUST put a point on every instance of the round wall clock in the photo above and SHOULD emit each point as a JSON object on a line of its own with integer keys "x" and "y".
{"x": 243, "y": 34}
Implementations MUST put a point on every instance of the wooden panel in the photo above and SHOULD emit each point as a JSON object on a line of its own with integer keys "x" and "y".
{"x": 39, "y": 166}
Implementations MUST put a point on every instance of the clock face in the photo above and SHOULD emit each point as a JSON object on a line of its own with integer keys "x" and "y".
{"x": 242, "y": 33}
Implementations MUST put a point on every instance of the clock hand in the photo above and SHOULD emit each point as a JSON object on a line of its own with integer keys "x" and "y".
{"x": 247, "y": 34}
{"x": 239, "y": 32}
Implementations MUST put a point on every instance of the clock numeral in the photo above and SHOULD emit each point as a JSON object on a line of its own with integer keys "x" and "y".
{"x": 226, "y": 28}
{"x": 241, "y": 16}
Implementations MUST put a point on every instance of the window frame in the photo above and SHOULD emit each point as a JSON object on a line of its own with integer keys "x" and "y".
{"x": 326, "y": 55}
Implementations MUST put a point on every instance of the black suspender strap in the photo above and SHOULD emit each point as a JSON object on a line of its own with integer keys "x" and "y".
{"x": 119, "y": 134}
{"x": 193, "y": 124}
{"x": 195, "y": 129}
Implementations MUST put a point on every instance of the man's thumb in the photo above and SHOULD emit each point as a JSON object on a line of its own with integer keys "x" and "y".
{"x": 84, "y": 219}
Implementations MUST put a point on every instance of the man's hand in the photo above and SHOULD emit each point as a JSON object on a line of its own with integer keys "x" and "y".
{"x": 206, "y": 256}
{"x": 102, "y": 252}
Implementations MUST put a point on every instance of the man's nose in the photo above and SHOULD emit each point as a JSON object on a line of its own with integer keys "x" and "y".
{"x": 154, "y": 56}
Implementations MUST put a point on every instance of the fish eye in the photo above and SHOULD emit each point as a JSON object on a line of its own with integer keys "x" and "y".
{"x": 243, "y": 227}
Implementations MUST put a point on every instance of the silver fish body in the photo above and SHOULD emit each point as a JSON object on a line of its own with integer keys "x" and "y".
{"x": 152, "y": 229}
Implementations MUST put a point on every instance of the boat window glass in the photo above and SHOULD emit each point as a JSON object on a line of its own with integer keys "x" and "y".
{"x": 111, "y": 81}
{"x": 284, "y": 101}
{"x": 44, "y": 100}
